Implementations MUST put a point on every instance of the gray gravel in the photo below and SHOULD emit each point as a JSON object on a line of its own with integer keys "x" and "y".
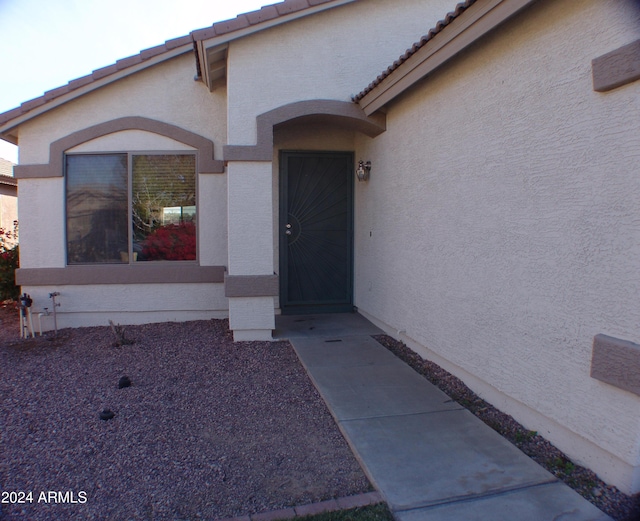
{"x": 208, "y": 429}
{"x": 607, "y": 498}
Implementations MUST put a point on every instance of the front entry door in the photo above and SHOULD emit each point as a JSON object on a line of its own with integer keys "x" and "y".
{"x": 316, "y": 232}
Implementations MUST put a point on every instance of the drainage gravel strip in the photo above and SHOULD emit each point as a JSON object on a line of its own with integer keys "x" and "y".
{"x": 607, "y": 498}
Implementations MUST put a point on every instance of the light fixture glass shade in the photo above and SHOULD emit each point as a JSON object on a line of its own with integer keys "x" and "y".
{"x": 363, "y": 170}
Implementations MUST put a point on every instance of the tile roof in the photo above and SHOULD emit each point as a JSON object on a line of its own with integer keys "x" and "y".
{"x": 6, "y": 169}
{"x": 242, "y": 21}
{"x": 96, "y": 75}
{"x": 8, "y": 180}
{"x": 264, "y": 14}
{"x": 459, "y": 9}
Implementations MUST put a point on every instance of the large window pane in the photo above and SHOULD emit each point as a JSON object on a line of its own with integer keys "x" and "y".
{"x": 164, "y": 207}
{"x": 97, "y": 208}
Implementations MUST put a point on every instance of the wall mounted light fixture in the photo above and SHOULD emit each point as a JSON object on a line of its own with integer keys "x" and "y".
{"x": 363, "y": 171}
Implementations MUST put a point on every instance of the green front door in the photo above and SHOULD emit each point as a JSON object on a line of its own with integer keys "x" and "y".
{"x": 316, "y": 232}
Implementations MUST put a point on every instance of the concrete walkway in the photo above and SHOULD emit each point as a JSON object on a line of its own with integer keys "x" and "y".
{"x": 430, "y": 458}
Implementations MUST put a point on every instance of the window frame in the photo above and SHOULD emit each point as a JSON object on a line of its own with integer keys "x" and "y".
{"x": 129, "y": 154}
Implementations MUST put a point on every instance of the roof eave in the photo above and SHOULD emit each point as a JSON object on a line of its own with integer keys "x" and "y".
{"x": 8, "y": 180}
{"x": 220, "y": 34}
{"x": 476, "y": 21}
{"x": 81, "y": 86}
{"x": 201, "y": 41}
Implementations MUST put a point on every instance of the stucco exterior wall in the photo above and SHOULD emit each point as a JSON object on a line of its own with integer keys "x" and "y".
{"x": 330, "y": 55}
{"x": 8, "y": 200}
{"x": 165, "y": 93}
{"x": 8, "y": 210}
{"x": 82, "y": 306}
{"x": 499, "y": 232}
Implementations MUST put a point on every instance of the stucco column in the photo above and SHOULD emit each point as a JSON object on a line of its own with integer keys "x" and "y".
{"x": 251, "y": 283}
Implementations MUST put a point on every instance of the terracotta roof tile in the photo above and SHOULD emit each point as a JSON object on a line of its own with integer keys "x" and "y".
{"x": 228, "y": 26}
{"x": 54, "y": 93}
{"x": 80, "y": 82}
{"x": 262, "y": 15}
{"x": 450, "y": 17}
{"x": 178, "y": 42}
{"x": 153, "y": 51}
{"x": 104, "y": 71}
{"x": 32, "y": 104}
{"x": 128, "y": 62}
{"x": 203, "y": 34}
{"x": 291, "y": 6}
{"x": 9, "y": 115}
{"x": 242, "y": 21}
{"x": 97, "y": 74}
{"x": 8, "y": 180}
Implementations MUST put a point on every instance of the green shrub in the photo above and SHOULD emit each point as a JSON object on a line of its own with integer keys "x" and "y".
{"x": 9, "y": 257}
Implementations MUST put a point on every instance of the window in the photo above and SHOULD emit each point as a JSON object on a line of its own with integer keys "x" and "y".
{"x": 126, "y": 208}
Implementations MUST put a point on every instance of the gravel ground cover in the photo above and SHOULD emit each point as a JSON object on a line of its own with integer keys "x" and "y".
{"x": 208, "y": 429}
{"x": 606, "y": 497}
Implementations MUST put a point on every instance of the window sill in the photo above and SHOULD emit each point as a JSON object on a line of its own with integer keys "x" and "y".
{"x": 143, "y": 273}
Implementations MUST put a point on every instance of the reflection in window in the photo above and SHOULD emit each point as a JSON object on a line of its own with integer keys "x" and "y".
{"x": 164, "y": 207}
{"x": 161, "y": 204}
{"x": 97, "y": 208}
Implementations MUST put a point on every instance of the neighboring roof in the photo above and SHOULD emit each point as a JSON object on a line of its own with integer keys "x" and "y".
{"x": 219, "y": 33}
{"x": 6, "y": 180}
{"x": 6, "y": 170}
{"x": 460, "y": 8}
{"x": 461, "y": 28}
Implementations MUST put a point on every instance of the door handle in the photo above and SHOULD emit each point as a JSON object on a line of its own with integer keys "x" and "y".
{"x": 288, "y": 232}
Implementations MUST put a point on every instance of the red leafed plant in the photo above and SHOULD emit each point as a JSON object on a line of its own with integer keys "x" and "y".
{"x": 9, "y": 263}
{"x": 171, "y": 242}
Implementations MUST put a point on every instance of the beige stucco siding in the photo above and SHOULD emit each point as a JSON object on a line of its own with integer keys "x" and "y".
{"x": 166, "y": 93}
{"x": 499, "y": 232}
{"x": 128, "y": 304}
{"x": 324, "y": 57}
{"x": 330, "y": 55}
{"x": 8, "y": 200}
{"x": 8, "y": 209}
{"x": 125, "y": 139}
{"x": 44, "y": 243}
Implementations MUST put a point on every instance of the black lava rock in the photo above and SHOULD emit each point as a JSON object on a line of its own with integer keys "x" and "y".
{"x": 107, "y": 414}
{"x": 124, "y": 382}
